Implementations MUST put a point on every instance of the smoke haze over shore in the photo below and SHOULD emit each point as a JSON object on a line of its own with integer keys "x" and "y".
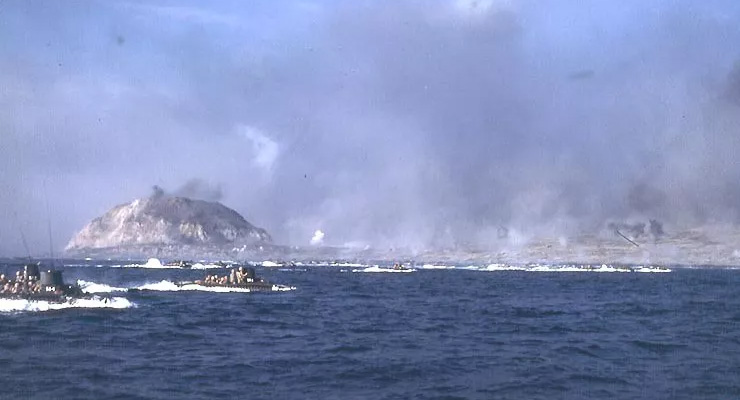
{"x": 412, "y": 123}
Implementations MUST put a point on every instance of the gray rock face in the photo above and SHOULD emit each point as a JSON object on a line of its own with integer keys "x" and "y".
{"x": 167, "y": 221}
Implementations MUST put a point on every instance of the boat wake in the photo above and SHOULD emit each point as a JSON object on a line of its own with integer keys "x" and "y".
{"x": 270, "y": 264}
{"x": 434, "y": 266}
{"x": 532, "y": 267}
{"x": 169, "y": 286}
{"x": 568, "y": 268}
{"x": 207, "y": 266}
{"x": 331, "y": 264}
{"x": 377, "y": 269}
{"x": 154, "y": 263}
{"x": 526, "y": 268}
{"x": 92, "y": 287}
{"x": 21, "y": 305}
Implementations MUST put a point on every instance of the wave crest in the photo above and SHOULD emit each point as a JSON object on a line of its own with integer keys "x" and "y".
{"x": 169, "y": 286}
{"x": 21, "y": 305}
{"x": 381, "y": 269}
{"x": 93, "y": 287}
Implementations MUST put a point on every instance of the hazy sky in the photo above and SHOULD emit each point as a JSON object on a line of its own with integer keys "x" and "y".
{"x": 418, "y": 123}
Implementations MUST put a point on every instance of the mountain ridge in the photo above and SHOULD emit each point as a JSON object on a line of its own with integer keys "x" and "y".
{"x": 167, "y": 220}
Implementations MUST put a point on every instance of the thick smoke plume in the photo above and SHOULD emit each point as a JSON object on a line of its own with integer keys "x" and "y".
{"x": 412, "y": 123}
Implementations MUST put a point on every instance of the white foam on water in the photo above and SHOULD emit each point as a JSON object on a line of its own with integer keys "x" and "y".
{"x": 19, "y": 305}
{"x": 321, "y": 264}
{"x": 92, "y": 287}
{"x": 377, "y": 269}
{"x": 161, "y": 286}
{"x": 550, "y": 268}
{"x": 651, "y": 269}
{"x": 282, "y": 288}
{"x": 604, "y": 268}
{"x": 433, "y": 266}
{"x": 168, "y": 286}
{"x": 152, "y": 263}
{"x": 206, "y": 266}
{"x": 268, "y": 263}
{"x": 314, "y": 263}
{"x": 215, "y": 289}
{"x": 610, "y": 268}
{"x": 343, "y": 264}
{"x": 503, "y": 267}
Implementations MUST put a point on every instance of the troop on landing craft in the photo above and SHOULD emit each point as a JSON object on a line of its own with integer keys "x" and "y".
{"x": 400, "y": 267}
{"x": 180, "y": 264}
{"x": 243, "y": 278}
{"x": 32, "y": 284}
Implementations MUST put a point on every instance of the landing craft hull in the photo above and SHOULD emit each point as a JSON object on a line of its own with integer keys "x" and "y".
{"x": 62, "y": 294}
{"x": 51, "y": 298}
{"x": 252, "y": 287}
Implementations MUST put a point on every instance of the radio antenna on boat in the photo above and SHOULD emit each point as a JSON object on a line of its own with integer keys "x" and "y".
{"x": 48, "y": 225}
{"x": 23, "y": 237}
{"x": 51, "y": 243}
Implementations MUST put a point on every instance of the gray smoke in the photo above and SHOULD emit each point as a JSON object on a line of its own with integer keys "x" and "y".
{"x": 733, "y": 85}
{"x": 199, "y": 189}
{"x": 193, "y": 188}
{"x": 408, "y": 123}
{"x": 157, "y": 192}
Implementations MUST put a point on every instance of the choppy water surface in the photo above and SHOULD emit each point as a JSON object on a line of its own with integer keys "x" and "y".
{"x": 475, "y": 332}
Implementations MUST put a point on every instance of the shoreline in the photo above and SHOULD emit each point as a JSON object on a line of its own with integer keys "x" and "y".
{"x": 696, "y": 248}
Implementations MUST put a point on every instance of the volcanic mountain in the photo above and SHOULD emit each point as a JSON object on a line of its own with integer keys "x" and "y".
{"x": 167, "y": 222}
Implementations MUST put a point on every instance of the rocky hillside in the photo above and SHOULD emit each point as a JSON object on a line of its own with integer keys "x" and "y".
{"x": 165, "y": 221}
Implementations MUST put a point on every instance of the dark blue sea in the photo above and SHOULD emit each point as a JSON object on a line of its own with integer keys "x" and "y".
{"x": 443, "y": 333}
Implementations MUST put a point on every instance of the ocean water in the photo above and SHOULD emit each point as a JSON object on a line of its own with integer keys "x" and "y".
{"x": 349, "y": 332}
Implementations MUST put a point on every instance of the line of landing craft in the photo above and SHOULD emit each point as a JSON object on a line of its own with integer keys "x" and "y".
{"x": 410, "y": 266}
{"x": 31, "y": 284}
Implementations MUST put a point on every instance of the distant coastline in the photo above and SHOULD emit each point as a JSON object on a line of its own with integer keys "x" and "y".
{"x": 693, "y": 247}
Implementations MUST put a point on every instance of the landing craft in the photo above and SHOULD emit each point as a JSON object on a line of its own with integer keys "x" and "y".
{"x": 238, "y": 278}
{"x": 179, "y": 264}
{"x": 32, "y": 284}
{"x": 400, "y": 267}
{"x": 242, "y": 278}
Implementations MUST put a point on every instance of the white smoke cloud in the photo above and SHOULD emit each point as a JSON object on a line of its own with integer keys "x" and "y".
{"x": 264, "y": 148}
{"x": 318, "y": 238}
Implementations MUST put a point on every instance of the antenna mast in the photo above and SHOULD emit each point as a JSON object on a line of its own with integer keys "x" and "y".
{"x": 23, "y": 237}
{"x": 48, "y": 225}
